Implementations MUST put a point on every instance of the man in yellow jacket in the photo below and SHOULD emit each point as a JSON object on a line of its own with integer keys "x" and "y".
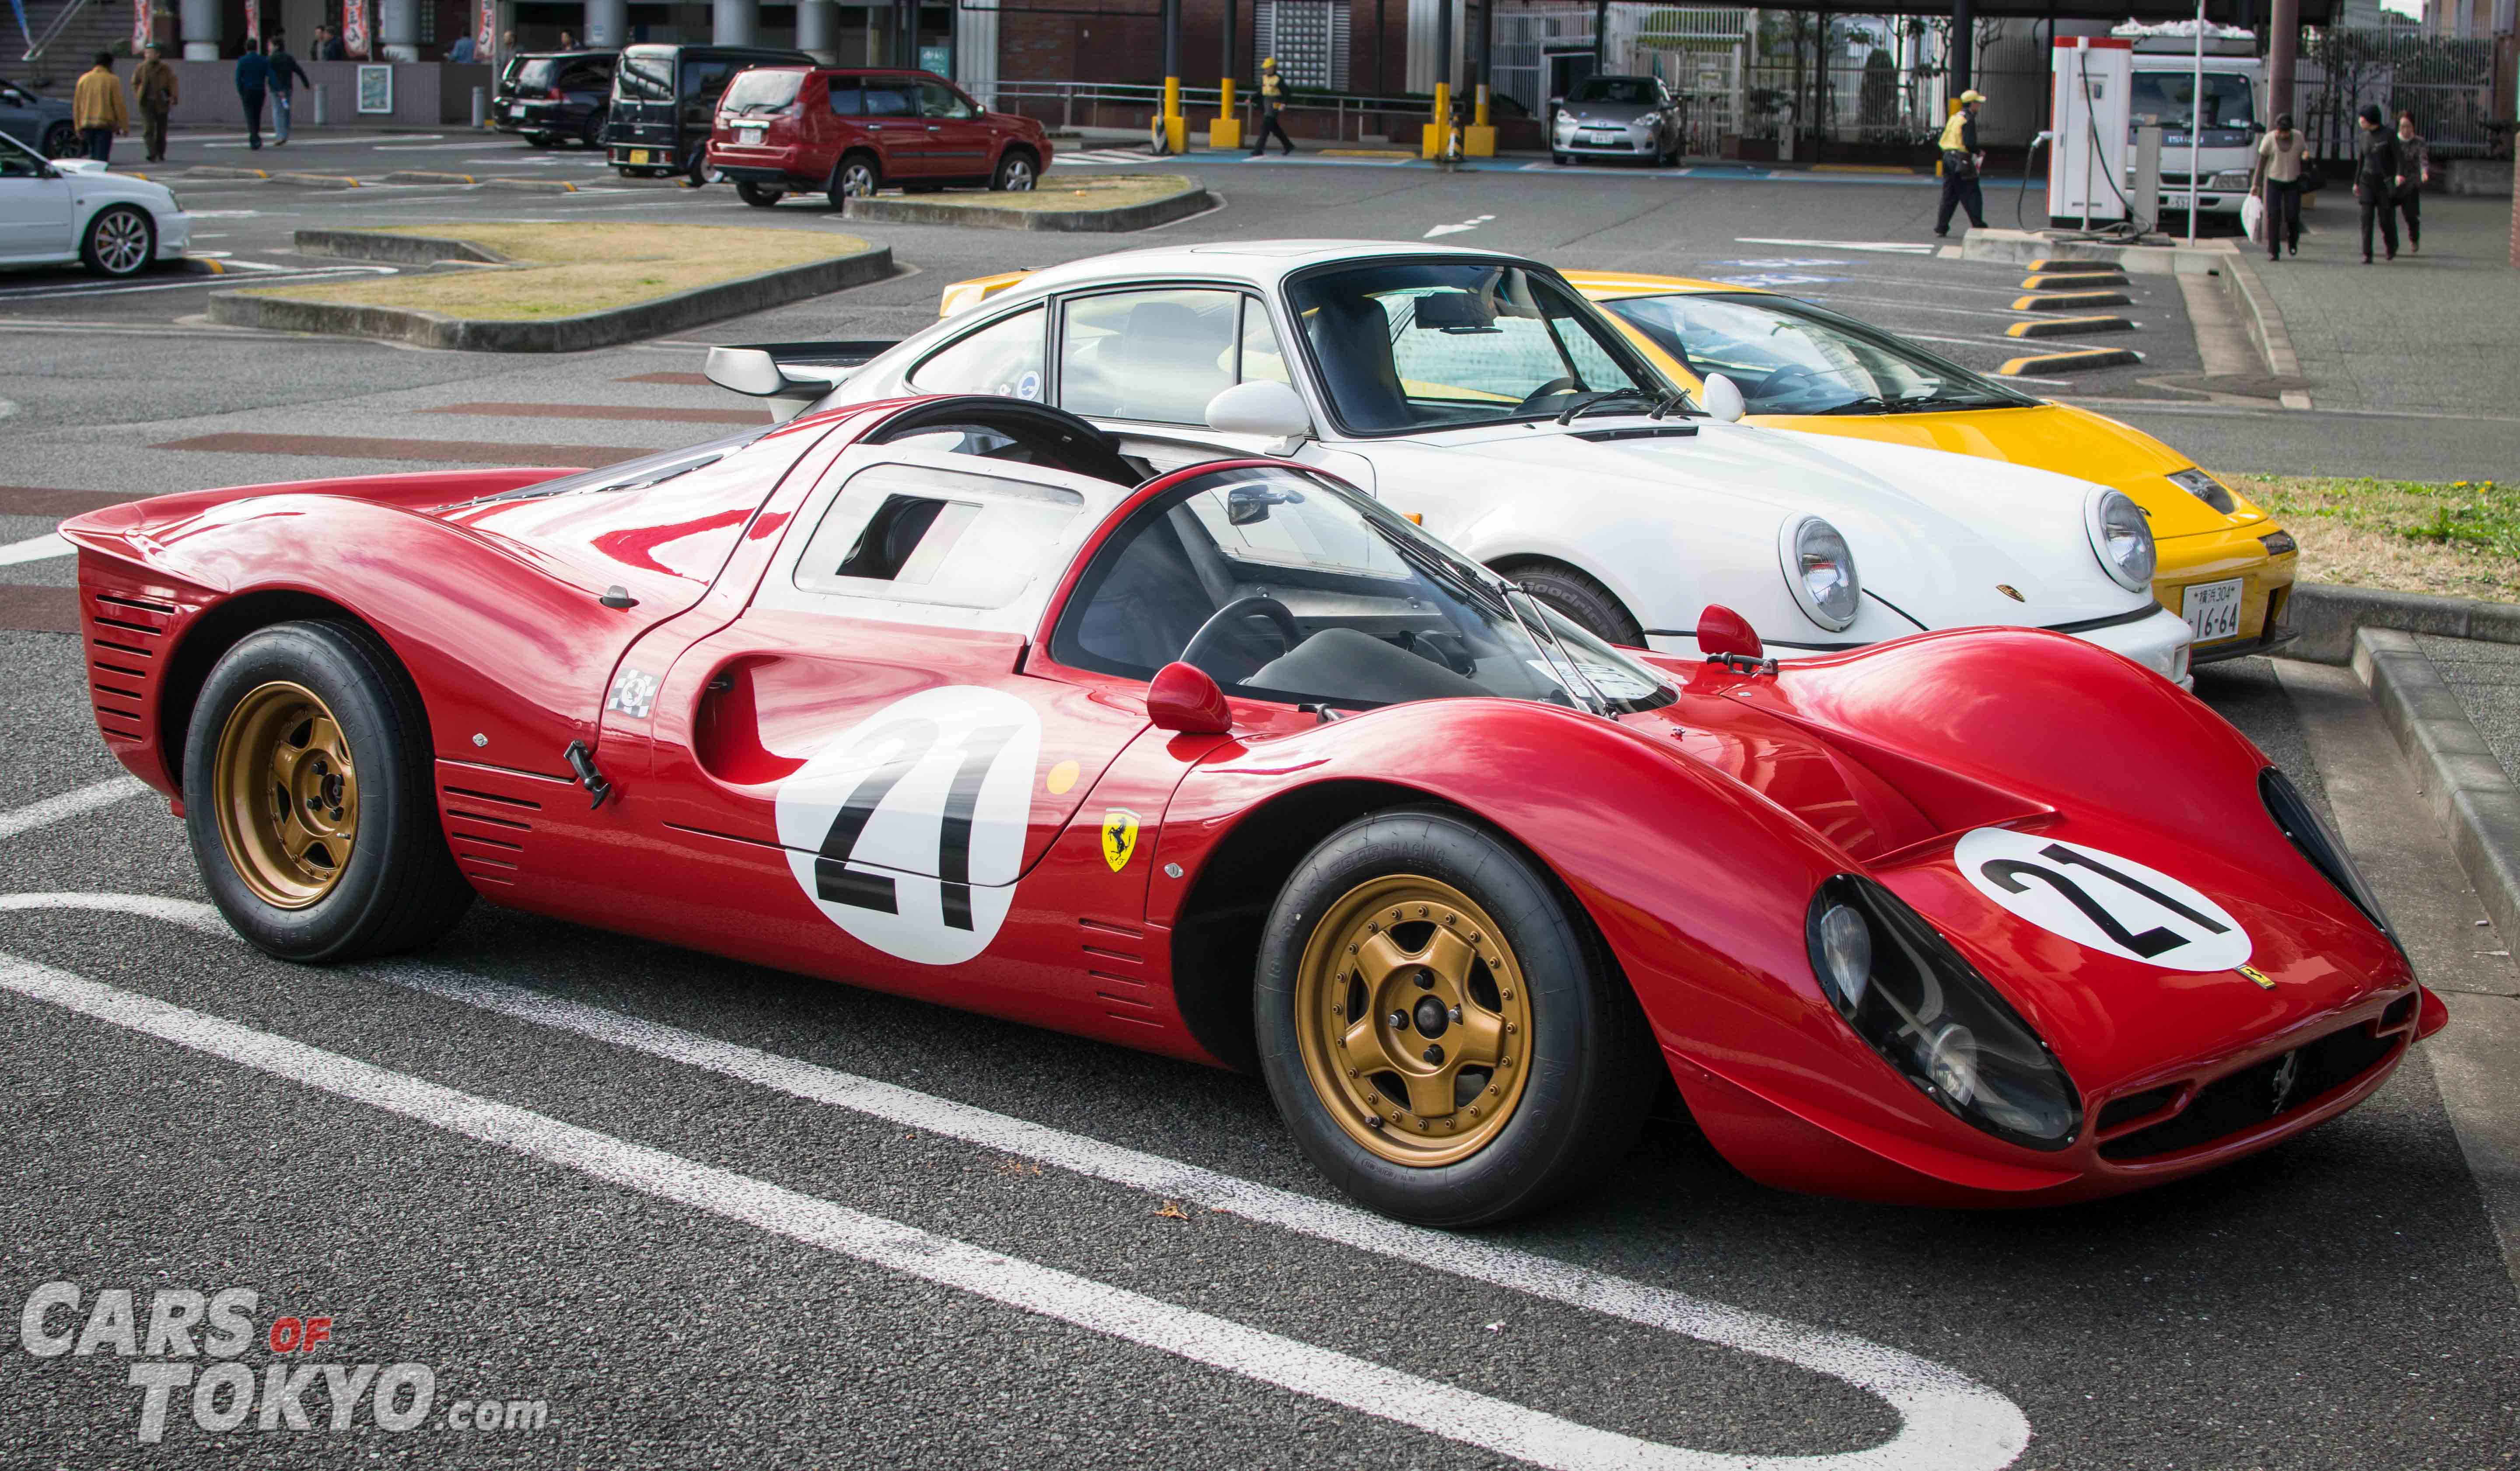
{"x": 98, "y": 108}
{"x": 1961, "y": 161}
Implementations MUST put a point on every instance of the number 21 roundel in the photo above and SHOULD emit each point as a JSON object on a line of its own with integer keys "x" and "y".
{"x": 907, "y": 830}
{"x": 2101, "y": 901}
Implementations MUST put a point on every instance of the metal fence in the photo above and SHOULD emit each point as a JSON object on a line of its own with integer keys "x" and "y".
{"x": 1126, "y": 105}
{"x": 2446, "y": 82}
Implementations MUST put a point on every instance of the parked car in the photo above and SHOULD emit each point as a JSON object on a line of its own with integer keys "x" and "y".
{"x": 554, "y": 96}
{"x": 1483, "y": 393}
{"x": 2222, "y": 564}
{"x": 1234, "y": 763}
{"x": 42, "y": 124}
{"x": 72, "y": 209}
{"x": 786, "y": 130}
{"x": 1615, "y": 117}
{"x": 664, "y": 102}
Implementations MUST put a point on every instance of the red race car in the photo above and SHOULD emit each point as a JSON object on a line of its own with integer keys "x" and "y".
{"x": 948, "y": 697}
{"x": 784, "y": 130}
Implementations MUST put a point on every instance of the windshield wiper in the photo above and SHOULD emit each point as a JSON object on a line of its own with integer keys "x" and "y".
{"x": 1662, "y": 402}
{"x": 1869, "y": 403}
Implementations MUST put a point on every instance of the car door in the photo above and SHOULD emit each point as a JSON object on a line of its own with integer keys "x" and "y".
{"x": 35, "y": 207}
{"x": 890, "y": 120}
{"x": 19, "y": 117}
{"x": 959, "y": 140}
{"x": 704, "y": 77}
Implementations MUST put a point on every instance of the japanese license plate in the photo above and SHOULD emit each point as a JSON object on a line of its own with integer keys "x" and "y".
{"x": 2212, "y": 610}
{"x": 747, "y": 135}
{"x": 515, "y": 109}
{"x": 1605, "y": 137}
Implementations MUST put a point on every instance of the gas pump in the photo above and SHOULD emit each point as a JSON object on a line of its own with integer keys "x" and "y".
{"x": 2092, "y": 88}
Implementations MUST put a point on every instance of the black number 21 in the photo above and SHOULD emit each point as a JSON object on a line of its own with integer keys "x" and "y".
{"x": 2007, "y": 873}
{"x": 836, "y": 883}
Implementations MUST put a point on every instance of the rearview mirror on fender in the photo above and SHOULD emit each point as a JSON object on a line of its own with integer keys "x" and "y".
{"x": 1183, "y": 698}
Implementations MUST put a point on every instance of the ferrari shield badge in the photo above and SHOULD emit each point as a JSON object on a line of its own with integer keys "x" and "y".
{"x": 1119, "y": 837}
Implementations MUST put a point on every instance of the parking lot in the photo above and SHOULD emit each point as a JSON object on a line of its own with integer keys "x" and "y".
{"x": 658, "y": 1208}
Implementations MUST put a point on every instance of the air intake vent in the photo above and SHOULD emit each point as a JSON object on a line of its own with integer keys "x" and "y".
{"x": 124, "y": 635}
{"x": 1113, "y": 963}
{"x": 488, "y": 831}
{"x": 2263, "y": 1090}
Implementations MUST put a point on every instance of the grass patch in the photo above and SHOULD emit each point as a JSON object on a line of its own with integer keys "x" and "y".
{"x": 569, "y": 270}
{"x": 2461, "y": 540}
{"x": 1091, "y": 191}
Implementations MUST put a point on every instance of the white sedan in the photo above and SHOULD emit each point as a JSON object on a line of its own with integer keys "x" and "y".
{"x": 54, "y": 211}
{"x": 1483, "y": 396}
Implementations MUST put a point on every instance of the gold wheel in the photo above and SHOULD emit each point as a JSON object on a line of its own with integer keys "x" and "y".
{"x": 1413, "y": 1020}
{"x": 287, "y": 794}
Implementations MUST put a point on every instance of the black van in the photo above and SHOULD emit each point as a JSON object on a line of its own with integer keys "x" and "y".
{"x": 556, "y": 97}
{"x": 664, "y": 102}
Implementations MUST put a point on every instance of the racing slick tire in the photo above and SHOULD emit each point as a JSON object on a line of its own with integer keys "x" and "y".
{"x": 120, "y": 240}
{"x": 1589, "y": 603}
{"x": 1442, "y": 1030}
{"x": 760, "y": 195}
{"x": 857, "y": 173}
{"x": 309, "y": 799}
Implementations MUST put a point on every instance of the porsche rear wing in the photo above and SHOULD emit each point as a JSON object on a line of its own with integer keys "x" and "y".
{"x": 792, "y": 374}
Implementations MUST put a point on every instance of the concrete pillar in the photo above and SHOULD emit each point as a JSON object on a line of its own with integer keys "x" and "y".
{"x": 818, "y": 24}
{"x": 1963, "y": 45}
{"x": 201, "y": 21}
{"x": 608, "y": 23}
{"x": 398, "y": 30}
{"x": 734, "y": 22}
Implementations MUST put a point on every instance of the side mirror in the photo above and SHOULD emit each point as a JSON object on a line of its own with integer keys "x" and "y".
{"x": 1721, "y": 397}
{"x": 1262, "y": 408}
{"x": 1184, "y": 699}
{"x": 1722, "y": 630}
{"x": 745, "y": 370}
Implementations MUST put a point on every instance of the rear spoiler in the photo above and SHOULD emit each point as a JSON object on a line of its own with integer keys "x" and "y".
{"x": 792, "y": 374}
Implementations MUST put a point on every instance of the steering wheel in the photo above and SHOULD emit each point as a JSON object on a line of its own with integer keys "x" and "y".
{"x": 1226, "y": 623}
{"x": 1553, "y": 385}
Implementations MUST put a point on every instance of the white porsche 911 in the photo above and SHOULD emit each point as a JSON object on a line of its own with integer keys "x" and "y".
{"x": 1482, "y": 395}
{"x": 59, "y": 210}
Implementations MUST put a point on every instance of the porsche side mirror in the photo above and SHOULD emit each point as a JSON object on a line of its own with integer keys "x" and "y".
{"x": 1262, "y": 408}
{"x": 1721, "y": 632}
{"x": 745, "y": 370}
{"x": 1721, "y": 397}
{"x": 1184, "y": 699}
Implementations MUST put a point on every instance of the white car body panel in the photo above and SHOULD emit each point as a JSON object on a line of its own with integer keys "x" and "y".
{"x": 1668, "y": 523}
{"x": 43, "y": 220}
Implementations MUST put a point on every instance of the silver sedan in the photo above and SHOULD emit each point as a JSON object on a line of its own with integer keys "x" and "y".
{"x": 1615, "y": 117}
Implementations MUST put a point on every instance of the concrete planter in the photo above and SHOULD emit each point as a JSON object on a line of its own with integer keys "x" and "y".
{"x": 920, "y": 211}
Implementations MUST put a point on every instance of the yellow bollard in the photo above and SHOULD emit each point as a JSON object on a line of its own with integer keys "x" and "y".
{"x": 1431, "y": 146}
{"x": 1478, "y": 139}
{"x": 1174, "y": 127}
{"x": 1225, "y": 132}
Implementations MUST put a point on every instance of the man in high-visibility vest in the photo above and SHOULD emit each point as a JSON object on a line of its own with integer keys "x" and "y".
{"x": 1961, "y": 161}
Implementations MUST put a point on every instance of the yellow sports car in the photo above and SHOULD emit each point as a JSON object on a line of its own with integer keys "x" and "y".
{"x": 2224, "y": 565}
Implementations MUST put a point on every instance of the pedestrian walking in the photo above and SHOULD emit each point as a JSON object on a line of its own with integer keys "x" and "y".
{"x": 2280, "y": 157}
{"x": 1961, "y": 161}
{"x": 253, "y": 77}
{"x": 2377, "y": 178}
{"x": 2414, "y": 159}
{"x": 153, "y": 88}
{"x": 461, "y": 53}
{"x": 328, "y": 46}
{"x": 286, "y": 74}
{"x": 98, "y": 110}
{"x": 1272, "y": 101}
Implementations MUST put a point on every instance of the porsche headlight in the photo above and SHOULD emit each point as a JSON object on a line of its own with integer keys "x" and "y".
{"x": 1820, "y": 568}
{"x": 2121, "y": 538}
{"x": 2205, "y": 488}
{"x": 1934, "y": 1019}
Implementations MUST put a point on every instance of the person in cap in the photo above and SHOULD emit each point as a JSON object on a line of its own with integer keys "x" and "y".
{"x": 1272, "y": 101}
{"x": 1961, "y": 159}
{"x": 2377, "y": 178}
{"x": 2281, "y": 155}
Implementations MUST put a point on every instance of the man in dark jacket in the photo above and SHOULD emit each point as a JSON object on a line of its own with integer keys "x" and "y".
{"x": 2377, "y": 178}
{"x": 286, "y": 74}
{"x": 252, "y": 77}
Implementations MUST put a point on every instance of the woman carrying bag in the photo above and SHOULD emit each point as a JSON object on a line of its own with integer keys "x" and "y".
{"x": 2279, "y": 185}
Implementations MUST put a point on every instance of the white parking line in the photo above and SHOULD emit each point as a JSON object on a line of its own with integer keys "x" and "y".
{"x": 1369, "y": 1388}
{"x": 1949, "y": 1421}
{"x": 69, "y": 804}
{"x": 33, "y": 547}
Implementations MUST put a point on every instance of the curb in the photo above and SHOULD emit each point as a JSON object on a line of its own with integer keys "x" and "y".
{"x": 2052, "y": 301}
{"x": 1175, "y": 207}
{"x": 2073, "y": 279}
{"x": 2067, "y": 362}
{"x": 427, "y": 177}
{"x": 2470, "y": 795}
{"x": 220, "y": 171}
{"x": 646, "y": 319}
{"x": 2266, "y": 324}
{"x": 2327, "y": 615}
{"x": 531, "y": 186}
{"x": 401, "y": 250}
{"x": 2031, "y": 248}
{"x": 2067, "y": 327}
{"x": 317, "y": 181}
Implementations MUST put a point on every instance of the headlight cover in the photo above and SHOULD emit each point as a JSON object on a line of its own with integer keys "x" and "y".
{"x": 1934, "y": 1019}
{"x": 2205, "y": 488}
{"x": 2301, "y": 823}
{"x": 2121, "y": 538}
{"x": 1820, "y": 568}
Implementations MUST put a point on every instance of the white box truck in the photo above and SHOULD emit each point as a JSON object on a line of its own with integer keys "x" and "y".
{"x": 2164, "y": 94}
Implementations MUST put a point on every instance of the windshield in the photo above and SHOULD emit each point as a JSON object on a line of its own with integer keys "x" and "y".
{"x": 762, "y": 92}
{"x": 1439, "y": 344}
{"x": 1615, "y": 89}
{"x": 1283, "y": 586}
{"x": 2165, "y": 98}
{"x": 646, "y": 73}
{"x": 1788, "y": 357}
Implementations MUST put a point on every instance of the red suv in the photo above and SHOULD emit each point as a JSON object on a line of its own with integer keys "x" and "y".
{"x": 786, "y": 130}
